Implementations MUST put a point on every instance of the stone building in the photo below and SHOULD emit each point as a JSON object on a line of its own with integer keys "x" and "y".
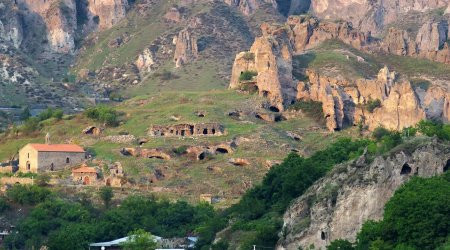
{"x": 49, "y": 157}
{"x": 85, "y": 175}
{"x": 199, "y": 129}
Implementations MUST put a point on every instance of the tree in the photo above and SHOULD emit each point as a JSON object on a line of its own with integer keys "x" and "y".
{"x": 43, "y": 180}
{"x": 140, "y": 240}
{"x": 25, "y": 114}
{"x": 106, "y": 194}
{"x": 340, "y": 245}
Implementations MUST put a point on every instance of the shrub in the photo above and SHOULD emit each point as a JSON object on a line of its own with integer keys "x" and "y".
{"x": 371, "y": 105}
{"x": 379, "y": 133}
{"x": 247, "y": 75}
{"x": 104, "y": 114}
{"x": 27, "y": 194}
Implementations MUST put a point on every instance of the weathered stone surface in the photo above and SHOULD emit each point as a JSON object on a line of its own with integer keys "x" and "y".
{"x": 106, "y": 13}
{"x": 186, "y": 48}
{"x": 271, "y": 57}
{"x": 145, "y": 60}
{"x": 372, "y": 15}
{"x": 343, "y": 101}
{"x": 354, "y": 193}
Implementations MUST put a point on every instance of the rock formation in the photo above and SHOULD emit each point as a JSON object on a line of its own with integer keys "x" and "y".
{"x": 186, "y": 48}
{"x": 271, "y": 58}
{"x": 145, "y": 60}
{"x": 58, "y": 18}
{"x": 372, "y": 15}
{"x": 336, "y": 206}
{"x": 106, "y": 13}
{"x": 344, "y": 102}
{"x": 10, "y": 25}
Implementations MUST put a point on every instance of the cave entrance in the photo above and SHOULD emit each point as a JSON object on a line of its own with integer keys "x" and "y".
{"x": 274, "y": 109}
{"x": 279, "y": 118}
{"x": 406, "y": 169}
{"x": 447, "y": 166}
{"x": 202, "y": 156}
{"x": 222, "y": 151}
{"x": 156, "y": 157}
{"x": 205, "y": 131}
{"x": 323, "y": 235}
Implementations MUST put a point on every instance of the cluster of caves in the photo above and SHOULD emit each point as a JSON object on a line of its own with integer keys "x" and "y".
{"x": 407, "y": 169}
{"x": 181, "y": 130}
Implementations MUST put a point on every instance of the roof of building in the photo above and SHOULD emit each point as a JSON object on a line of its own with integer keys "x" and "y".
{"x": 117, "y": 242}
{"x": 72, "y": 148}
{"x": 84, "y": 169}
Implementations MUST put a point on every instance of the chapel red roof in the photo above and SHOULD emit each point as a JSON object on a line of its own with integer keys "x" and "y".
{"x": 72, "y": 148}
{"x": 84, "y": 169}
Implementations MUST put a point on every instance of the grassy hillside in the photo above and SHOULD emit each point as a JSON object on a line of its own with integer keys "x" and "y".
{"x": 184, "y": 176}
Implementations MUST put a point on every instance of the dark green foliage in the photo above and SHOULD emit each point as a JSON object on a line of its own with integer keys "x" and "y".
{"x": 371, "y": 105}
{"x": 104, "y": 114}
{"x": 385, "y": 140}
{"x": 311, "y": 108}
{"x": 247, "y": 75}
{"x": 30, "y": 125}
{"x": 43, "y": 180}
{"x": 431, "y": 128}
{"x": 340, "y": 245}
{"x": 51, "y": 113}
{"x": 106, "y": 194}
{"x": 62, "y": 224}
{"x": 3, "y": 204}
{"x": 180, "y": 150}
{"x": 139, "y": 239}
{"x": 220, "y": 245}
{"x": 416, "y": 217}
{"x": 379, "y": 133}
{"x": 27, "y": 194}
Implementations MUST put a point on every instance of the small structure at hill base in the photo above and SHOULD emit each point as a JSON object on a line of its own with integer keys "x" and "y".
{"x": 181, "y": 130}
{"x": 206, "y": 198}
{"x": 92, "y": 130}
{"x": 84, "y": 175}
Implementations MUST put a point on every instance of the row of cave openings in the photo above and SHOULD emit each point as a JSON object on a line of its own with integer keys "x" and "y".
{"x": 406, "y": 169}
{"x": 218, "y": 150}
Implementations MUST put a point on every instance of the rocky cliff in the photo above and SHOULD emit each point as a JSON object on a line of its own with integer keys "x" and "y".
{"x": 271, "y": 57}
{"x": 373, "y": 15}
{"x": 106, "y": 13}
{"x": 338, "y": 204}
{"x": 186, "y": 48}
{"x": 400, "y": 105}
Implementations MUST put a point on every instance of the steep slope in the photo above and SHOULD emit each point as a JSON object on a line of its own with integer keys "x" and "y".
{"x": 337, "y": 205}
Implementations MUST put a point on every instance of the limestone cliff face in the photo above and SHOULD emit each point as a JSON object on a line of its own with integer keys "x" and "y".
{"x": 10, "y": 24}
{"x": 58, "y": 18}
{"x": 372, "y": 15}
{"x": 106, "y": 13}
{"x": 186, "y": 48}
{"x": 248, "y": 7}
{"x": 271, "y": 57}
{"x": 401, "y": 106}
{"x": 338, "y": 204}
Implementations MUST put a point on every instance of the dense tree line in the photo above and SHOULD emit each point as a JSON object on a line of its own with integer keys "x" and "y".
{"x": 63, "y": 224}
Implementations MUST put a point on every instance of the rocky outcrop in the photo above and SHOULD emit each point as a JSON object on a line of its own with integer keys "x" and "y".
{"x": 271, "y": 58}
{"x": 106, "y": 13}
{"x": 336, "y": 206}
{"x": 345, "y": 102}
{"x": 57, "y": 17}
{"x": 10, "y": 25}
{"x": 248, "y": 7}
{"x": 372, "y": 15}
{"x": 145, "y": 60}
{"x": 186, "y": 48}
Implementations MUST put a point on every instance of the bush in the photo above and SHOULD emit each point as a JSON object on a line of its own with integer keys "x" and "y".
{"x": 27, "y": 194}
{"x": 104, "y": 114}
{"x": 30, "y": 125}
{"x": 247, "y": 75}
{"x": 311, "y": 108}
{"x": 3, "y": 204}
{"x": 379, "y": 133}
{"x": 432, "y": 128}
{"x": 371, "y": 105}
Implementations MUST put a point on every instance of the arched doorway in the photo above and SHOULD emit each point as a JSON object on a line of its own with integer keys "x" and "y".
{"x": 28, "y": 165}
{"x": 52, "y": 167}
{"x": 86, "y": 181}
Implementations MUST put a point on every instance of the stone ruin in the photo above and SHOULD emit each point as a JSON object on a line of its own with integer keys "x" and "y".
{"x": 181, "y": 130}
